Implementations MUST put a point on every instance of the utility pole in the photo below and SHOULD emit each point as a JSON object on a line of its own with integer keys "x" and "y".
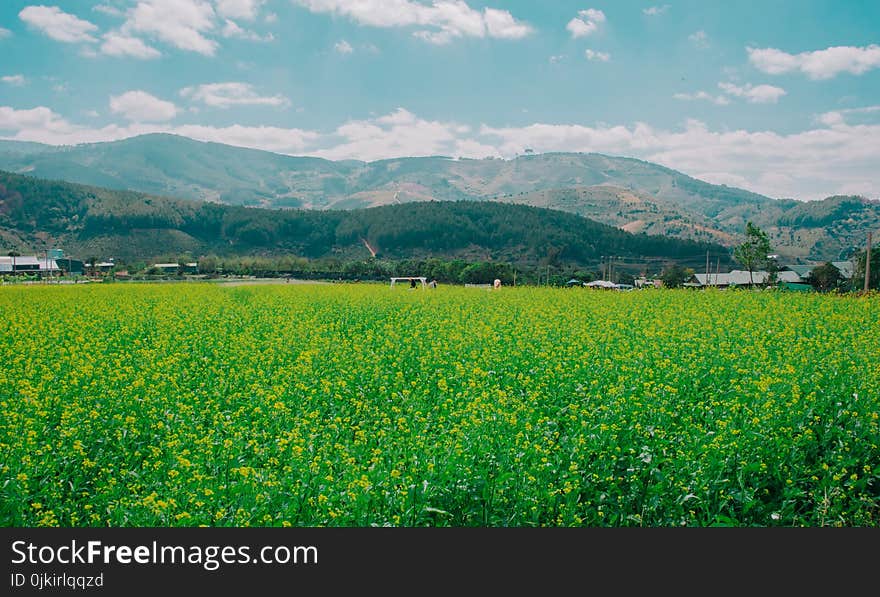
{"x": 868, "y": 264}
{"x": 707, "y": 269}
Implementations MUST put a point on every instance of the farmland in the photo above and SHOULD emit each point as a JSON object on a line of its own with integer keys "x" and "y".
{"x": 358, "y": 405}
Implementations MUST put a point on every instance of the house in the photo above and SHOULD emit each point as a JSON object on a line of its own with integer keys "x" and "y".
{"x": 741, "y": 278}
{"x": 602, "y": 284}
{"x": 167, "y": 268}
{"x": 643, "y": 282}
{"x": 790, "y": 277}
{"x": 846, "y": 269}
{"x": 803, "y": 271}
{"x": 28, "y": 264}
{"x": 71, "y": 267}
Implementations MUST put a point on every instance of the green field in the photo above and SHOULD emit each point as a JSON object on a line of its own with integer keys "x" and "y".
{"x": 358, "y": 405}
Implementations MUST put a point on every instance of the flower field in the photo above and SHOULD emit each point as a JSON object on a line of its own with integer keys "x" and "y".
{"x": 358, "y": 405}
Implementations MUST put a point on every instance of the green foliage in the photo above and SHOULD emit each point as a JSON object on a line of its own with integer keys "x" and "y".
{"x": 675, "y": 275}
{"x": 812, "y": 214}
{"x": 754, "y": 253}
{"x": 859, "y": 277}
{"x": 826, "y": 277}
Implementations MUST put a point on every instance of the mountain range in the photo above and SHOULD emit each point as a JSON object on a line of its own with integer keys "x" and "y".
{"x": 92, "y": 222}
{"x": 630, "y": 194}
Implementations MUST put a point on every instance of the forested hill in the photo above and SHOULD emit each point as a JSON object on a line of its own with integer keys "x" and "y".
{"x": 91, "y": 221}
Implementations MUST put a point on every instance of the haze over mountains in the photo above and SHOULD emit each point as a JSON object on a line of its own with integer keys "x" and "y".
{"x": 630, "y": 194}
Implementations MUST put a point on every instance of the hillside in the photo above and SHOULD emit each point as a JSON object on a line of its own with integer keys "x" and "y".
{"x": 631, "y": 194}
{"x": 181, "y": 167}
{"x": 91, "y": 221}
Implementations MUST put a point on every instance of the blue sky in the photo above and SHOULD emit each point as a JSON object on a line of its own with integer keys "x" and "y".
{"x": 780, "y": 97}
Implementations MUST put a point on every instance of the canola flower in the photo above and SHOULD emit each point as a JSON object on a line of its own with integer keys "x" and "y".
{"x": 357, "y": 405}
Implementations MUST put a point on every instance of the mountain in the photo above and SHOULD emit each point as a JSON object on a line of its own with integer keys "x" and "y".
{"x": 631, "y": 194}
{"x": 92, "y": 221}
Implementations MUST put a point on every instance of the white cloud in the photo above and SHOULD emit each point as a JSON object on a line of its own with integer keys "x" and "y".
{"x": 760, "y": 94}
{"x": 5, "y": 33}
{"x": 343, "y": 47}
{"x": 239, "y": 9}
{"x": 181, "y": 23}
{"x": 586, "y": 23}
{"x": 719, "y": 100}
{"x": 731, "y": 180}
{"x": 14, "y": 80}
{"x": 831, "y": 118}
{"x": 269, "y": 138}
{"x": 45, "y": 126}
{"x": 501, "y": 24}
{"x": 597, "y": 56}
{"x": 655, "y": 11}
{"x": 557, "y": 58}
{"x": 108, "y": 9}
{"x": 820, "y": 64}
{"x": 119, "y": 44}
{"x": 140, "y": 106}
{"x": 400, "y": 133}
{"x": 40, "y": 121}
{"x": 225, "y": 95}
{"x": 841, "y": 117}
{"x": 231, "y": 29}
{"x": 57, "y": 24}
{"x": 699, "y": 39}
{"x": 446, "y": 19}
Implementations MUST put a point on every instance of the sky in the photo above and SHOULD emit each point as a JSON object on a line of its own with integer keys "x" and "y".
{"x": 781, "y": 97}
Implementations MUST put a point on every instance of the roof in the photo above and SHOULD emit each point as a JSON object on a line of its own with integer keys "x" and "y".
{"x": 166, "y": 265}
{"x": 845, "y": 267}
{"x": 27, "y": 261}
{"x": 802, "y": 270}
{"x": 20, "y": 260}
{"x": 789, "y": 276}
{"x": 741, "y": 278}
{"x": 736, "y": 277}
{"x": 601, "y": 284}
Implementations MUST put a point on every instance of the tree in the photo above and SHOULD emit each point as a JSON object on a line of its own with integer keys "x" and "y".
{"x": 754, "y": 253}
{"x": 15, "y": 254}
{"x": 859, "y": 277}
{"x": 825, "y": 277}
{"x": 676, "y": 275}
